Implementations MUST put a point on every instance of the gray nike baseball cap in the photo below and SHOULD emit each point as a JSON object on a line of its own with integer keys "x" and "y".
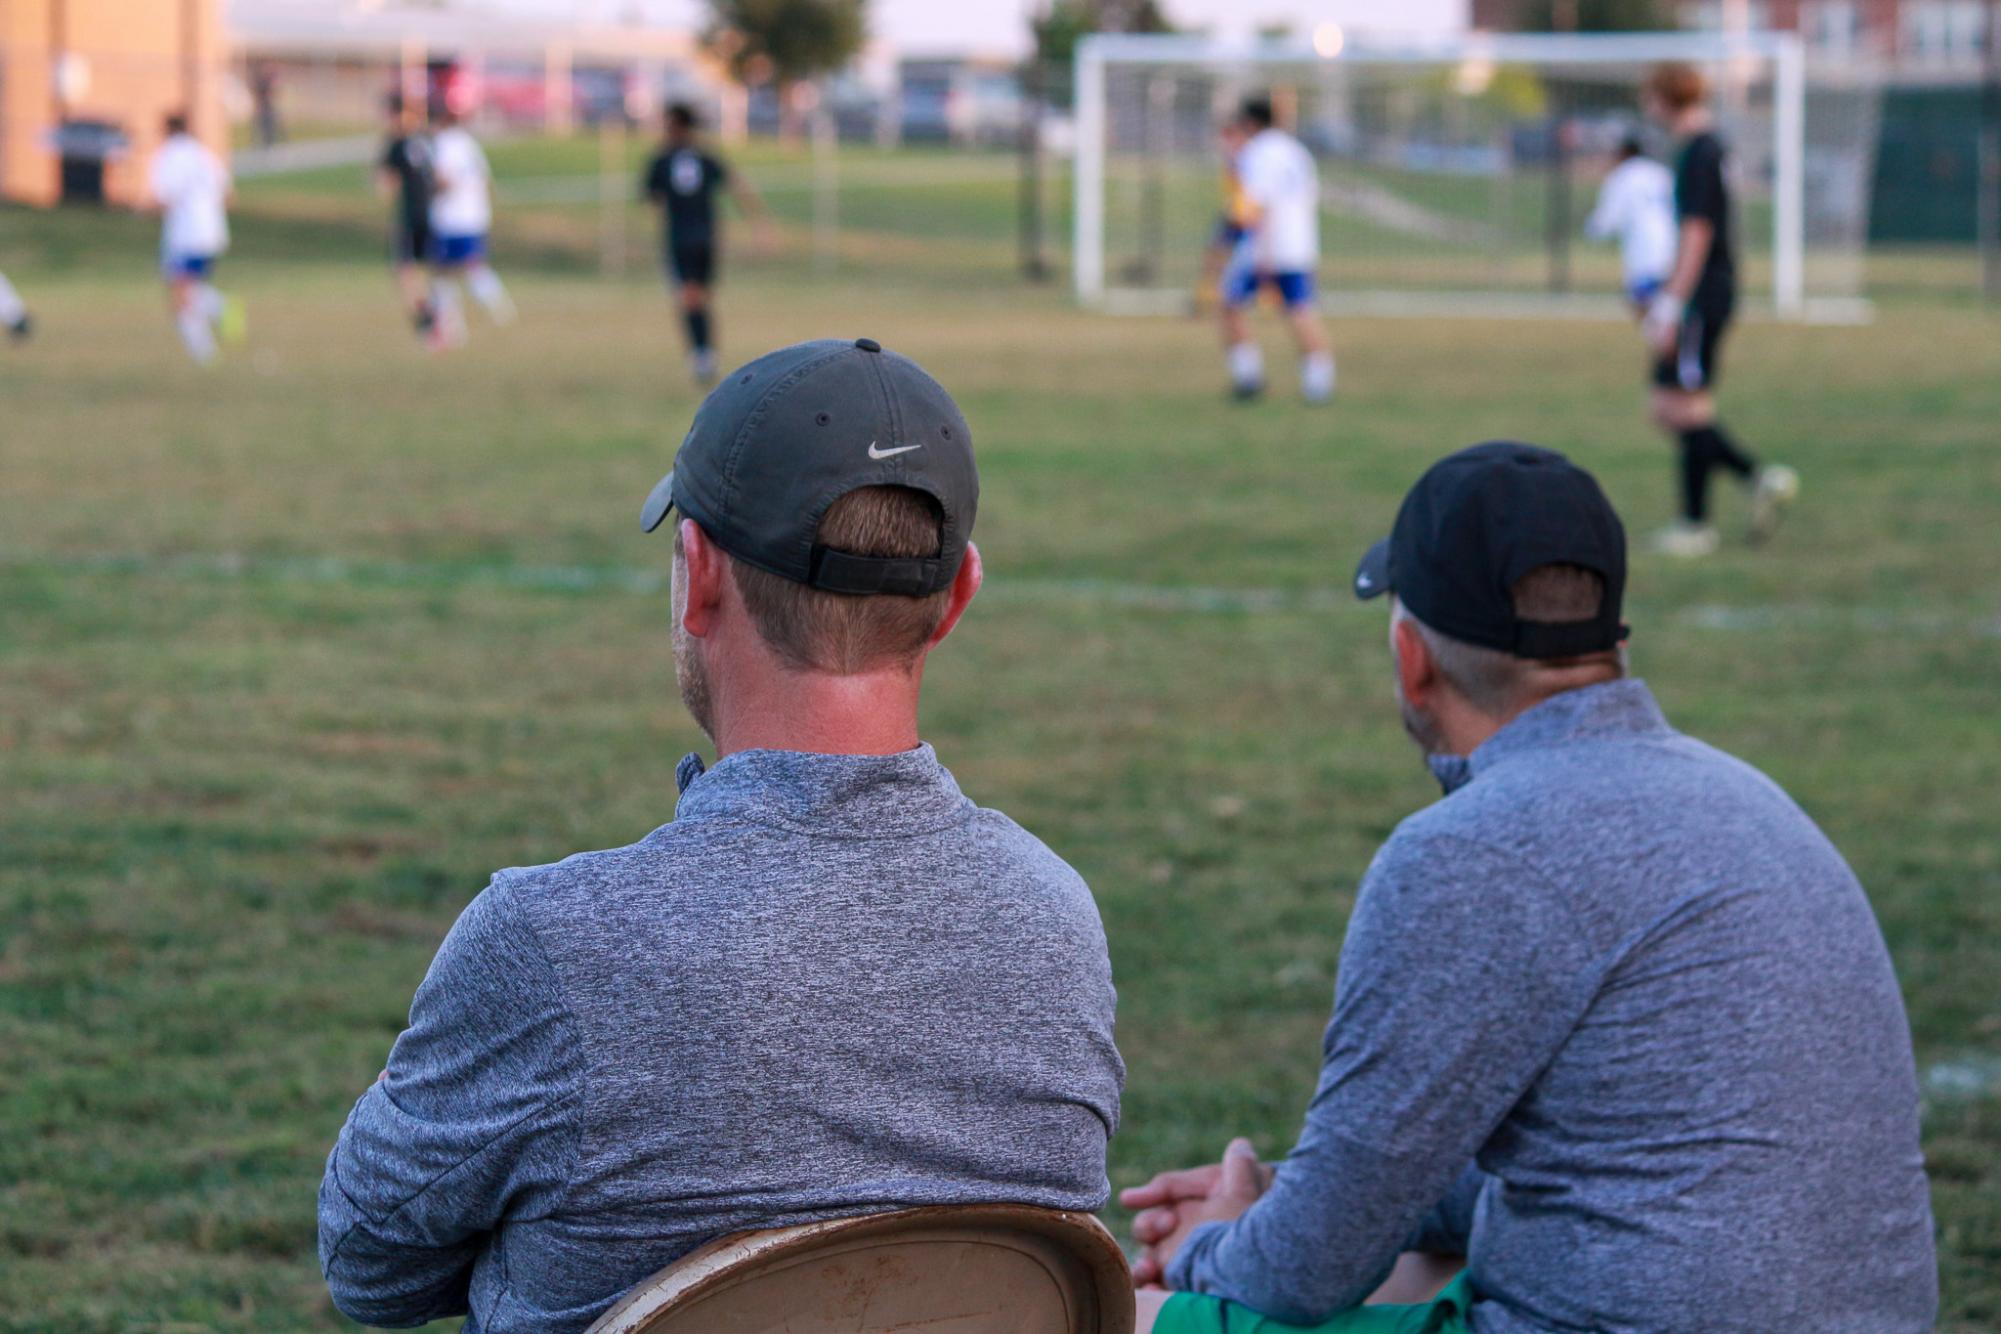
{"x": 783, "y": 438}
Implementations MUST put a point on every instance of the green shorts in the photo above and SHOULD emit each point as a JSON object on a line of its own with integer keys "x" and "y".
{"x": 1187, "y": 1313}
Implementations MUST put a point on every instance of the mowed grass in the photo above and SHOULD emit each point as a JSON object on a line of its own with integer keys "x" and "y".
{"x": 294, "y": 653}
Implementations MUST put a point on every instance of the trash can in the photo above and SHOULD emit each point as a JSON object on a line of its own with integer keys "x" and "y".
{"x": 84, "y": 146}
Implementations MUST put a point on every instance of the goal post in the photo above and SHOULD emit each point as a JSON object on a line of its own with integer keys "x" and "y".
{"x": 1456, "y": 172}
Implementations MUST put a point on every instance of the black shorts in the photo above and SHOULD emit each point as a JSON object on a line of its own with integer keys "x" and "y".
{"x": 1696, "y": 359}
{"x": 692, "y": 262}
{"x": 409, "y": 244}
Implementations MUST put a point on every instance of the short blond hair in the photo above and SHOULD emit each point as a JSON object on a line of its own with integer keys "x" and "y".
{"x": 813, "y": 630}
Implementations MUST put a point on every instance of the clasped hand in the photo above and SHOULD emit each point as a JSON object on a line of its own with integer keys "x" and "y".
{"x": 1174, "y": 1204}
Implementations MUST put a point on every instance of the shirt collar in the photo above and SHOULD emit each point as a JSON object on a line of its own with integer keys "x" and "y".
{"x": 1615, "y": 708}
{"x": 840, "y": 796}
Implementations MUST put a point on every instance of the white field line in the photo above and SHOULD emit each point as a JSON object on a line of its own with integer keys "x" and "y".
{"x": 1968, "y": 1079}
{"x": 1171, "y": 598}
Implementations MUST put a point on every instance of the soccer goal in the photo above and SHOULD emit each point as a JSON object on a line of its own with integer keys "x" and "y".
{"x": 1455, "y": 175}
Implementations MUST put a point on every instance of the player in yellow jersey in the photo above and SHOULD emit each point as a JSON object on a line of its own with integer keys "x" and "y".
{"x": 1226, "y": 243}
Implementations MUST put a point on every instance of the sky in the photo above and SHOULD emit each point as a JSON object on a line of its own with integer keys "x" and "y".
{"x": 1000, "y": 26}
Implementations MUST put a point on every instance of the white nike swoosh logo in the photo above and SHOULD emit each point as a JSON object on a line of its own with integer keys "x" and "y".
{"x": 877, "y": 453}
{"x": 1365, "y": 582}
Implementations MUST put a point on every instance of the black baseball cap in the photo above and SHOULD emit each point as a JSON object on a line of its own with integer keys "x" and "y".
{"x": 783, "y": 438}
{"x": 1478, "y": 521}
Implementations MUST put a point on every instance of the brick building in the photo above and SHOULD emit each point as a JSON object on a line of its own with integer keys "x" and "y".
{"x": 84, "y": 85}
{"x": 1909, "y": 36}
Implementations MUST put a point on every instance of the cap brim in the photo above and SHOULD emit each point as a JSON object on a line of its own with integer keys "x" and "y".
{"x": 658, "y": 502}
{"x": 1372, "y": 576}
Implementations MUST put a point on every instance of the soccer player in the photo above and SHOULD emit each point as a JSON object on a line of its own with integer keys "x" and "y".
{"x": 1226, "y": 248}
{"x": 1282, "y": 187}
{"x": 682, "y": 181}
{"x": 404, "y": 175}
{"x": 13, "y": 312}
{"x": 1636, "y": 208}
{"x": 1685, "y": 323}
{"x": 461, "y": 214}
{"x": 191, "y": 188}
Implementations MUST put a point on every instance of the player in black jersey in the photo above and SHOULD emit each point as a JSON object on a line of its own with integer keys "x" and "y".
{"x": 1686, "y": 322}
{"x": 404, "y": 174}
{"x": 683, "y": 179}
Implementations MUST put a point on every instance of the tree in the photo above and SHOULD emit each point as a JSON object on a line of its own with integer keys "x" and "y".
{"x": 785, "y": 42}
{"x": 1593, "y": 16}
{"x": 1064, "y": 23}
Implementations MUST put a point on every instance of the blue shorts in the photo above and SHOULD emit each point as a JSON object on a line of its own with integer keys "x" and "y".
{"x": 451, "y": 250}
{"x": 1295, "y": 289}
{"x": 187, "y": 266}
{"x": 1642, "y": 291}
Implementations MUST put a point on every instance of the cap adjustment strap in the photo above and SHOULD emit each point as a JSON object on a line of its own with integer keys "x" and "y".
{"x": 909, "y": 576}
{"x": 1566, "y": 639}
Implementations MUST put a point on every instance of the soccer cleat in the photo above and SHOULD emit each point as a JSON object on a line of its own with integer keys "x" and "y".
{"x": 1247, "y": 392}
{"x": 1686, "y": 541}
{"x": 234, "y": 322}
{"x": 1775, "y": 488}
{"x": 20, "y": 330}
{"x": 704, "y": 366}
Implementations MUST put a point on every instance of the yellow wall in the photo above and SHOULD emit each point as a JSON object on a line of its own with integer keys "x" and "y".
{"x": 137, "y": 60}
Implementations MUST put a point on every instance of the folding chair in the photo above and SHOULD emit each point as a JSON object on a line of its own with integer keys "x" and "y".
{"x": 954, "y": 1269}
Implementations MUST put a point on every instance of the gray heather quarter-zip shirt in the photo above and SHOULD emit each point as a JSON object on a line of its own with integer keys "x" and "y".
{"x": 1614, "y": 1021}
{"x": 831, "y": 986}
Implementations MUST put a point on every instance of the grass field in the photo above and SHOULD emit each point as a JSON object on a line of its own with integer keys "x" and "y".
{"x": 293, "y": 654}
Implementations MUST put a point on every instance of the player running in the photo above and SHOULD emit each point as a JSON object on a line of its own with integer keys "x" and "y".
{"x": 461, "y": 214}
{"x": 1282, "y": 187}
{"x": 682, "y": 181}
{"x": 191, "y": 188}
{"x": 404, "y": 175}
{"x": 1636, "y": 209}
{"x": 1685, "y": 323}
{"x": 14, "y": 312}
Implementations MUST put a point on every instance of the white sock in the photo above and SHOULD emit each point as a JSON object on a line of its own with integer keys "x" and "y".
{"x": 1247, "y": 365}
{"x": 11, "y": 309}
{"x": 487, "y": 289}
{"x": 197, "y": 333}
{"x": 208, "y": 302}
{"x": 445, "y": 310}
{"x": 1316, "y": 376}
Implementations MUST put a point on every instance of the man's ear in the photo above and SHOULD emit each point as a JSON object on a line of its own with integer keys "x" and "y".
{"x": 964, "y": 584}
{"x": 1417, "y": 671}
{"x": 705, "y": 567}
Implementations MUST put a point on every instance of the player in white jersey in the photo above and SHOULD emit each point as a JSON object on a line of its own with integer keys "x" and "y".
{"x": 1280, "y": 251}
{"x": 13, "y": 312}
{"x": 1636, "y": 209}
{"x": 461, "y": 214}
{"x": 191, "y": 189}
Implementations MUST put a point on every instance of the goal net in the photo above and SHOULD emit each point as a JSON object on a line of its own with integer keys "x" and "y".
{"x": 1456, "y": 176}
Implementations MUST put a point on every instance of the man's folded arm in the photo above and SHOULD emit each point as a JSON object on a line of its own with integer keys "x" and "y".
{"x": 1461, "y": 976}
{"x": 475, "y": 1121}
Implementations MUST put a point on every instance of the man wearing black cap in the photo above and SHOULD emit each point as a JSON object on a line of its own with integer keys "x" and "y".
{"x": 1614, "y": 1024}
{"x": 832, "y": 985}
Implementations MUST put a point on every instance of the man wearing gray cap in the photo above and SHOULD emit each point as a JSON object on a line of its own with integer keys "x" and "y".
{"x": 1614, "y": 1023}
{"x": 832, "y": 985}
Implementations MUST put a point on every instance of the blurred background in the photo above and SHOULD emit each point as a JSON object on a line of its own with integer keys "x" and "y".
{"x": 295, "y": 650}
